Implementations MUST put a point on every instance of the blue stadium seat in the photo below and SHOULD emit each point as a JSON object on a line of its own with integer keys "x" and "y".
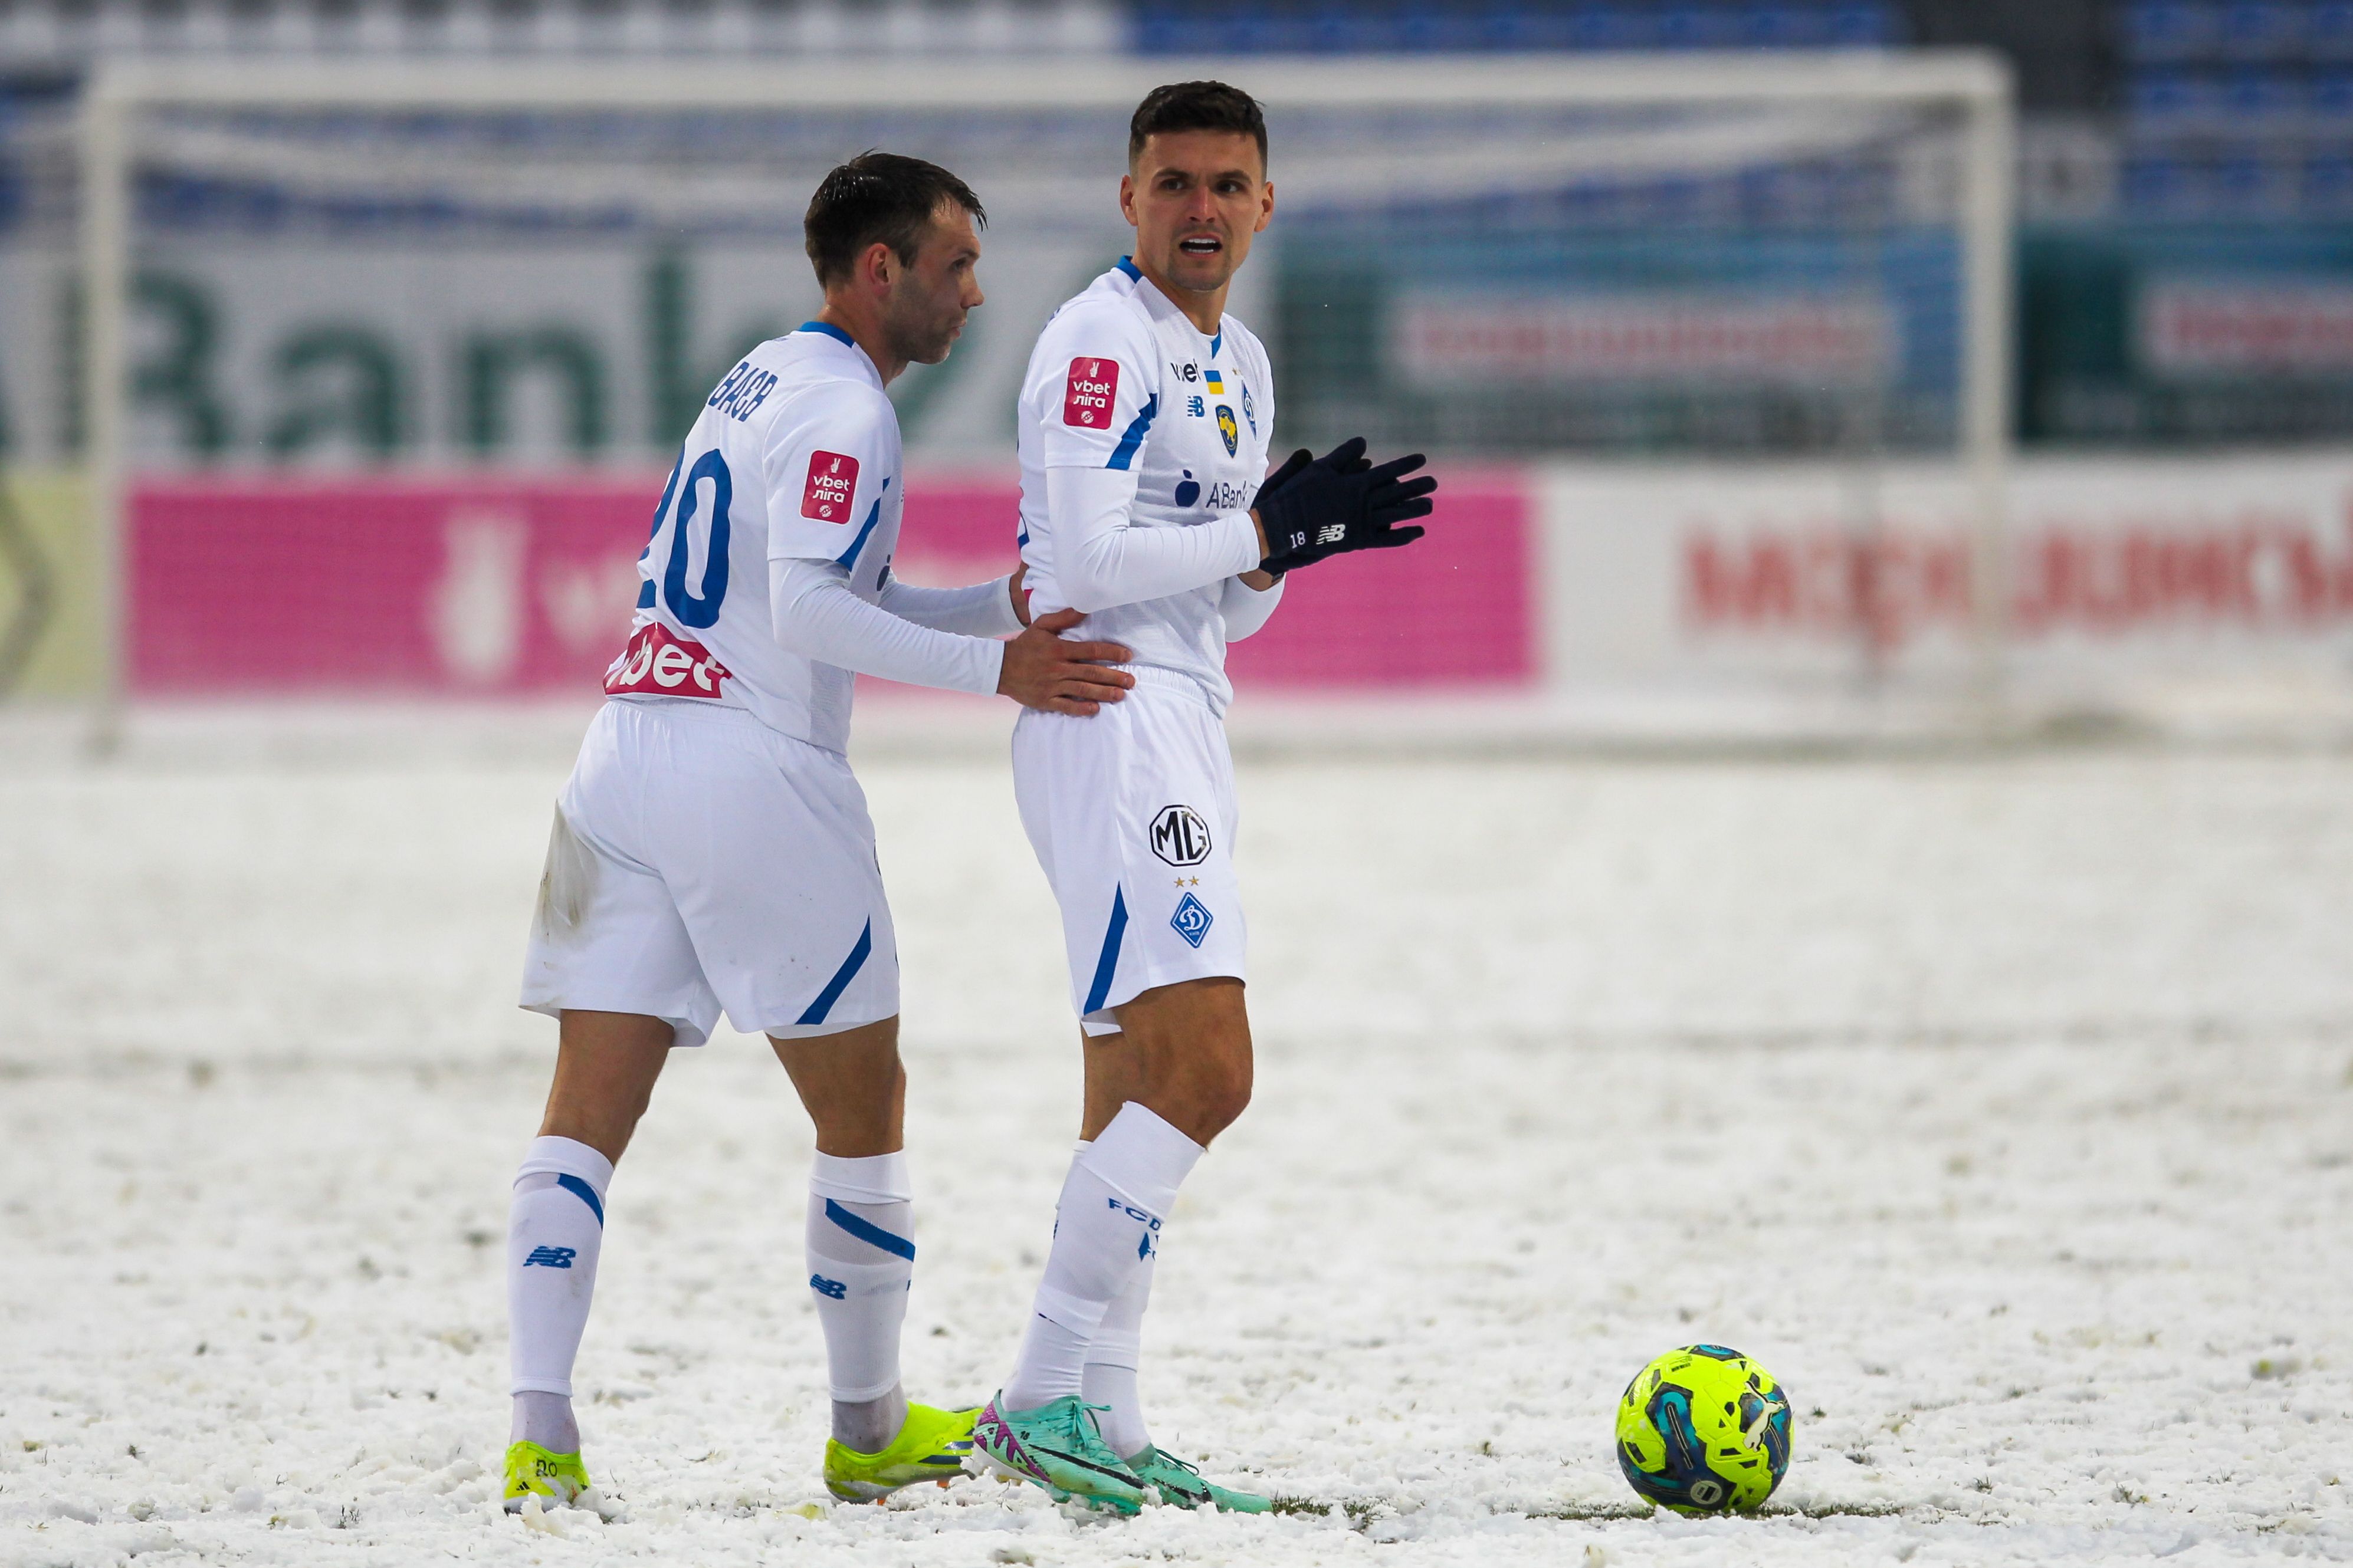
{"x": 2163, "y": 102}
{"x": 2328, "y": 103}
{"x": 2157, "y": 31}
{"x": 2256, "y": 102}
{"x": 2158, "y": 186}
{"x": 1161, "y": 26}
{"x": 2262, "y": 31}
{"x": 2328, "y": 31}
{"x": 2327, "y": 184}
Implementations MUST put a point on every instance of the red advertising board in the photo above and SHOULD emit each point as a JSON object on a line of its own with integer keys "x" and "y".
{"x": 523, "y": 587}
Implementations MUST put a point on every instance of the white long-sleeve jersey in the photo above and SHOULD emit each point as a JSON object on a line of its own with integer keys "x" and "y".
{"x": 1143, "y": 443}
{"x": 766, "y": 583}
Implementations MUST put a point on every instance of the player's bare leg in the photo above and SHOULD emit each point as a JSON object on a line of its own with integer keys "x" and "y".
{"x": 1190, "y": 1049}
{"x": 606, "y": 1065}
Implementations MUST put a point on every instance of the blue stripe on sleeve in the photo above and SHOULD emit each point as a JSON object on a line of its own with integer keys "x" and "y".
{"x": 1124, "y": 453}
{"x": 873, "y": 516}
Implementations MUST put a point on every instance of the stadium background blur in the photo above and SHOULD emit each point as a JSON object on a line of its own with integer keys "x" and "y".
{"x": 1696, "y": 417}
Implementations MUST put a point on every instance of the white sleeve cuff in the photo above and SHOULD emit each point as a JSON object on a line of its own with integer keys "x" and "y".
{"x": 1245, "y": 608}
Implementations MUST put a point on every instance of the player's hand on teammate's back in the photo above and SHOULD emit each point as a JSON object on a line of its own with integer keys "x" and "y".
{"x": 1339, "y": 502}
{"x": 1041, "y": 671}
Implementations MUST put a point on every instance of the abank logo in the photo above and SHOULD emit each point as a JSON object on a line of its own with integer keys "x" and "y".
{"x": 1179, "y": 837}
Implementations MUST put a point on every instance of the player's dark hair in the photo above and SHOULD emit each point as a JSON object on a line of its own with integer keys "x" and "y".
{"x": 878, "y": 196}
{"x": 1197, "y": 105}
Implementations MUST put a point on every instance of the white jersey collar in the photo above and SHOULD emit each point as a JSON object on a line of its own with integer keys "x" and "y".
{"x": 826, "y": 338}
{"x": 1160, "y": 304}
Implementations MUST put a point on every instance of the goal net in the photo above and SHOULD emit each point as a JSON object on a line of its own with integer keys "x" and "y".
{"x": 395, "y": 351}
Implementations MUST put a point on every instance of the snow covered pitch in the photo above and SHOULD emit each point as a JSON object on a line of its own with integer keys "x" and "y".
{"x": 2002, "y": 1108}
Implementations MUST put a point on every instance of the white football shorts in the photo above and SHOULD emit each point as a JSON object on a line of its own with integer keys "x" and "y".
{"x": 1131, "y": 810}
{"x": 701, "y": 861}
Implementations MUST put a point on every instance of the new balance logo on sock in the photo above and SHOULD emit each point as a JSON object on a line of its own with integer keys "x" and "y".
{"x": 551, "y": 1257}
{"x": 833, "y": 1288}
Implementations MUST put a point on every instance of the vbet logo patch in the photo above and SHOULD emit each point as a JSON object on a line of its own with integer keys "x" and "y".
{"x": 832, "y": 482}
{"x": 658, "y": 662}
{"x": 1092, "y": 389}
{"x": 1192, "y": 920}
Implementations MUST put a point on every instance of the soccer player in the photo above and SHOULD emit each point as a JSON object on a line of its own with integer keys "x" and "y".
{"x": 1144, "y": 420}
{"x": 711, "y": 850}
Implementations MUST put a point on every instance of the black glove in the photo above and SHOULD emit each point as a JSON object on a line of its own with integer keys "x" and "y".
{"x": 1337, "y": 503}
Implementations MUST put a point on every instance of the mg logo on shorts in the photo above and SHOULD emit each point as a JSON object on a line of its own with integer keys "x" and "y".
{"x": 1192, "y": 920}
{"x": 1179, "y": 836}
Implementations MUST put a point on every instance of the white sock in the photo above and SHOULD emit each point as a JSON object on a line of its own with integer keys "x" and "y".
{"x": 554, "y": 1229}
{"x": 1108, "y": 1223}
{"x": 1113, "y": 1357}
{"x": 861, "y": 1260}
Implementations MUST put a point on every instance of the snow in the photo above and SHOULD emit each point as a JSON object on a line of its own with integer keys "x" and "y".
{"x": 2002, "y": 1106}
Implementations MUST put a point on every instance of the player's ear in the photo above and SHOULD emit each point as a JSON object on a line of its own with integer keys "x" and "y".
{"x": 878, "y": 265}
{"x": 1127, "y": 198}
{"x": 1265, "y": 206}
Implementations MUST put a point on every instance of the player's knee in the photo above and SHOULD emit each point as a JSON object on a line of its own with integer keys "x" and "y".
{"x": 1227, "y": 1107}
{"x": 1218, "y": 1096}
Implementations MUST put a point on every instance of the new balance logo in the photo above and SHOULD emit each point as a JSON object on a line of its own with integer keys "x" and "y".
{"x": 1331, "y": 533}
{"x": 551, "y": 1257}
{"x": 833, "y": 1288}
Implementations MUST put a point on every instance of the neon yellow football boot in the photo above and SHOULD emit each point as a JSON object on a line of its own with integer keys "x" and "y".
{"x": 931, "y": 1447}
{"x": 532, "y": 1471}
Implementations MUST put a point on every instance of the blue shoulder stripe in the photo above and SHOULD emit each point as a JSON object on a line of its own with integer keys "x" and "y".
{"x": 1124, "y": 453}
{"x": 848, "y": 559}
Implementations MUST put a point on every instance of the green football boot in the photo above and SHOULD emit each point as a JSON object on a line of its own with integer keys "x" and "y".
{"x": 533, "y": 1471}
{"x": 1181, "y": 1484}
{"x": 931, "y": 1446}
{"x": 1056, "y": 1446}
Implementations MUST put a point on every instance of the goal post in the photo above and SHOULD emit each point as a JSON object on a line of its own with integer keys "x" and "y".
{"x": 725, "y": 150}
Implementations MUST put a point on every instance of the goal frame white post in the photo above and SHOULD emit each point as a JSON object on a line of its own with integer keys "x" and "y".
{"x": 1975, "y": 84}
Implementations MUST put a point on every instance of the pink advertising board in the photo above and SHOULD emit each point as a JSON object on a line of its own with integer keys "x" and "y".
{"x": 523, "y": 587}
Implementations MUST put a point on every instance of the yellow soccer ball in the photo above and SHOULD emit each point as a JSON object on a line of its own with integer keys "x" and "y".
{"x": 1705, "y": 1430}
